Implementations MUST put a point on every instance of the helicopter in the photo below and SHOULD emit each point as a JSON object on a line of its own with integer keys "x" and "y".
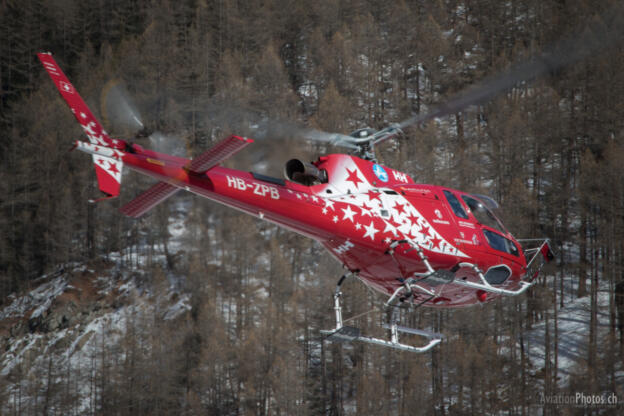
{"x": 418, "y": 244}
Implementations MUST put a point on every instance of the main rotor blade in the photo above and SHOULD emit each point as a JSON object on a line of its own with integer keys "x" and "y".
{"x": 335, "y": 139}
{"x": 604, "y": 32}
{"x": 263, "y": 127}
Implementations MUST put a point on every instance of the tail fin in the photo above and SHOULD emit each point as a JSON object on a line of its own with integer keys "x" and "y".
{"x": 108, "y": 170}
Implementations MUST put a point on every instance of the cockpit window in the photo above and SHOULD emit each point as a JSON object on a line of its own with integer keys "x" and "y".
{"x": 456, "y": 206}
{"x": 500, "y": 243}
{"x": 482, "y": 213}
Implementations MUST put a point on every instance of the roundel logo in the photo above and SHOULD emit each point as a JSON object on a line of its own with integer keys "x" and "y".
{"x": 380, "y": 172}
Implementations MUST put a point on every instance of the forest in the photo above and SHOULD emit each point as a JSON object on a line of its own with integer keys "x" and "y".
{"x": 550, "y": 150}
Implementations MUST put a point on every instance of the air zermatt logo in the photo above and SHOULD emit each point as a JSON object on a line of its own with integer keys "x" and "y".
{"x": 380, "y": 172}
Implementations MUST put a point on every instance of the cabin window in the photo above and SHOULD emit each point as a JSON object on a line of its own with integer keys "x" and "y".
{"x": 500, "y": 243}
{"x": 482, "y": 213}
{"x": 497, "y": 275}
{"x": 456, "y": 206}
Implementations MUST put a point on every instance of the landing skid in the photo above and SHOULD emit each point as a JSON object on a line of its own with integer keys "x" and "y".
{"x": 342, "y": 333}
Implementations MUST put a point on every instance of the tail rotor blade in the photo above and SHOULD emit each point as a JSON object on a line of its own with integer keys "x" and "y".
{"x": 118, "y": 108}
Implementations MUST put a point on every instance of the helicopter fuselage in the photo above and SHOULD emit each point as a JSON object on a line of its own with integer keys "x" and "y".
{"x": 373, "y": 219}
{"x": 428, "y": 244}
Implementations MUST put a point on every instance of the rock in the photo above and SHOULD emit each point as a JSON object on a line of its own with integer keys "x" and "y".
{"x": 60, "y": 317}
{"x": 83, "y": 340}
{"x": 62, "y": 344}
{"x": 34, "y": 323}
{"x": 17, "y": 330}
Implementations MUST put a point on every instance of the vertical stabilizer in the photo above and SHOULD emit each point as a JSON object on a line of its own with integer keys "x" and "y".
{"x": 108, "y": 170}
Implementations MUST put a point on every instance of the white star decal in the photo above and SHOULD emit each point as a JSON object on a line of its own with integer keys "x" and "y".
{"x": 358, "y": 226}
{"x": 89, "y": 129}
{"x": 348, "y": 213}
{"x": 83, "y": 115}
{"x": 298, "y": 196}
{"x": 329, "y": 204}
{"x": 324, "y": 210}
{"x": 370, "y": 231}
{"x": 335, "y": 218}
{"x": 365, "y": 211}
{"x": 387, "y": 240}
{"x": 391, "y": 228}
{"x": 314, "y": 198}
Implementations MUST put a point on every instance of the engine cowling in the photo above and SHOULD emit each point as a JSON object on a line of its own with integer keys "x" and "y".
{"x": 304, "y": 173}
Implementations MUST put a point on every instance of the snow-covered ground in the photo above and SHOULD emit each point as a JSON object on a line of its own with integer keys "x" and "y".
{"x": 76, "y": 345}
{"x": 573, "y": 326}
{"x": 100, "y": 310}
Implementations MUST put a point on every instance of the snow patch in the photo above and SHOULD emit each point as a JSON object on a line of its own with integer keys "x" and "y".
{"x": 178, "y": 308}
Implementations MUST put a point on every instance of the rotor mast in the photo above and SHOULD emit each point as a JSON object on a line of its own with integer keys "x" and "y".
{"x": 363, "y": 141}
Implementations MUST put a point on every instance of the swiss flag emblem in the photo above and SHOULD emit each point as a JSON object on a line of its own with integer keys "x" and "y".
{"x": 67, "y": 87}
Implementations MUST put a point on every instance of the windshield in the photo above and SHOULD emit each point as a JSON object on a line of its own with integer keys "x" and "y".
{"x": 482, "y": 213}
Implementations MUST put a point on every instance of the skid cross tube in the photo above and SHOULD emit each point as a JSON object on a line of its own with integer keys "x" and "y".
{"x": 348, "y": 333}
{"x": 408, "y": 286}
{"x": 411, "y": 283}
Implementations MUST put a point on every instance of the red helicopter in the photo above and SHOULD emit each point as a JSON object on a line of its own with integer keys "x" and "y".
{"x": 418, "y": 244}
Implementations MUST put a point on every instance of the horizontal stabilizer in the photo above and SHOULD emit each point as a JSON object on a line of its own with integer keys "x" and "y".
{"x": 148, "y": 199}
{"x": 217, "y": 154}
